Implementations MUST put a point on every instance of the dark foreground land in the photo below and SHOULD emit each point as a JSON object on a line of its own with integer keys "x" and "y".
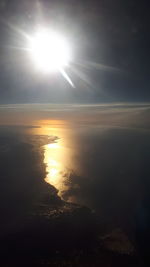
{"x": 55, "y": 233}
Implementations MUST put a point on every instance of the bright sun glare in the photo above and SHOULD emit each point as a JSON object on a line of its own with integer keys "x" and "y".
{"x": 50, "y": 51}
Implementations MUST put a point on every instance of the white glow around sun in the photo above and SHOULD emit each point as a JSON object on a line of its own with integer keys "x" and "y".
{"x": 50, "y": 51}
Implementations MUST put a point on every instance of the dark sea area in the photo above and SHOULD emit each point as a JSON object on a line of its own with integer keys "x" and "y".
{"x": 75, "y": 189}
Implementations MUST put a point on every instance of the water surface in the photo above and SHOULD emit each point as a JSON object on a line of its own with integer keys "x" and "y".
{"x": 98, "y": 158}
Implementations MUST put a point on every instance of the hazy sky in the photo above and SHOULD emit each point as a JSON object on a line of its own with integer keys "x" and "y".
{"x": 112, "y": 34}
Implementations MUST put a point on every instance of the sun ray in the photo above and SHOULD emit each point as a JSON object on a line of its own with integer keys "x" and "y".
{"x": 97, "y": 66}
{"x": 82, "y": 76}
{"x": 15, "y": 29}
{"x": 67, "y": 78}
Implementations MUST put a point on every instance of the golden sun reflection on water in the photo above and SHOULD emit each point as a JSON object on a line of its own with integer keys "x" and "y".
{"x": 56, "y": 172}
{"x": 58, "y": 153}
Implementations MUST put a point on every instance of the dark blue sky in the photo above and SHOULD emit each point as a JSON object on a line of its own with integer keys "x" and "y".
{"x": 114, "y": 34}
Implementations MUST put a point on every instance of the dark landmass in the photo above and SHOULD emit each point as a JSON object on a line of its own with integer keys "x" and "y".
{"x": 40, "y": 229}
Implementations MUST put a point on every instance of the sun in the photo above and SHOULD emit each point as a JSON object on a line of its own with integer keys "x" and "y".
{"x": 50, "y": 51}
